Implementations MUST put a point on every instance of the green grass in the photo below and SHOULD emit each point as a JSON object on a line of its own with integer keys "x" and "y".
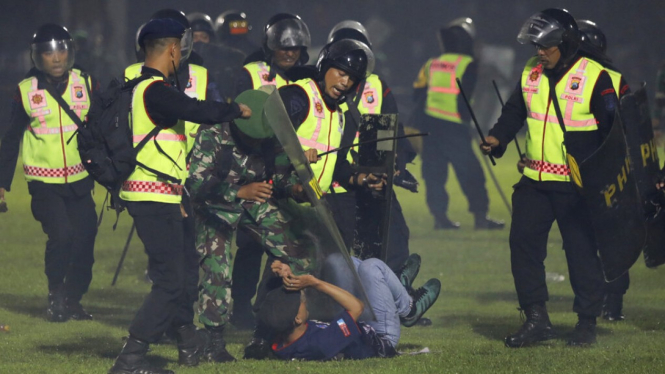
{"x": 476, "y": 309}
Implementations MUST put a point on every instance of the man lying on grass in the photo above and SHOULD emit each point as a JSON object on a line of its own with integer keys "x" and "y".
{"x": 285, "y": 311}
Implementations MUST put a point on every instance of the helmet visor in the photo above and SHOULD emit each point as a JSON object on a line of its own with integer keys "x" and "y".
{"x": 288, "y": 33}
{"x": 186, "y": 45}
{"x": 54, "y": 57}
{"x": 541, "y": 30}
{"x": 353, "y": 56}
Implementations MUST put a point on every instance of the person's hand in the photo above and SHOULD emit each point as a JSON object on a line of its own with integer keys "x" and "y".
{"x": 257, "y": 191}
{"x": 280, "y": 269}
{"x": 299, "y": 282}
{"x": 490, "y": 143}
{"x": 183, "y": 213}
{"x": 3, "y": 203}
{"x": 246, "y": 111}
{"x": 312, "y": 155}
{"x": 298, "y": 192}
{"x": 521, "y": 164}
{"x": 375, "y": 182}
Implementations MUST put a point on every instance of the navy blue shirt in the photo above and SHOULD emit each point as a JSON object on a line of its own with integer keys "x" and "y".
{"x": 324, "y": 341}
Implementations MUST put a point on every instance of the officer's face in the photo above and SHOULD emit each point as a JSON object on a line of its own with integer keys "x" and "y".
{"x": 548, "y": 56}
{"x": 55, "y": 62}
{"x": 286, "y": 58}
{"x": 201, "y": 36}
{"x": 338, "y": 82}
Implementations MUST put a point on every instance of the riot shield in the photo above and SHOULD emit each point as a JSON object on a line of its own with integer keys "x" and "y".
{"x": 646, "y": 166}
{"x": 373, "y": 214}
{"x": 610, "y": 193}
{"x": 313, "y": 223}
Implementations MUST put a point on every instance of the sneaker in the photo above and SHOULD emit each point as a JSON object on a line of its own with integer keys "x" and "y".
{"x": 408, "y": 272}
{"x": 613, "y": 307}
{"x": 536, "y": 328}
{"x": 484, "y": 222}
{"x": 423, "y": 298}
{"x": 584, "y": 334}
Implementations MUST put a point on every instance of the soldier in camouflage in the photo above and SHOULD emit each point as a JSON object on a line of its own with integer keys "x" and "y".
{"x": 236, "y": 175}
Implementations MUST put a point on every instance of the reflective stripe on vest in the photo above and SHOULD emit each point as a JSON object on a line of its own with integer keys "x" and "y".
{"x": 545, "y": 150}
{"x": 259, "y": 71}
{"x": 47, "y": 157}
{"x": 321, "y": 130}
{"x": 143, "y": 185}
{"x": 442, "y": 87}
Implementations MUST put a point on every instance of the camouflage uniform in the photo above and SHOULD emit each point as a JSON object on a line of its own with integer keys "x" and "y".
{"x": 218, "y": 213}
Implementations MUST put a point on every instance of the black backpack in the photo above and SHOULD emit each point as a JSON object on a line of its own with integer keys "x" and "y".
{"x": 105, "y": 140}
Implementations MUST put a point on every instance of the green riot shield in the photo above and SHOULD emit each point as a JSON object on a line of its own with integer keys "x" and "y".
{"x": 610, "y": 193}
{"x": 646, "y": 166}
{"x": 313, "y": 222}
{"x": 373, "y": 214}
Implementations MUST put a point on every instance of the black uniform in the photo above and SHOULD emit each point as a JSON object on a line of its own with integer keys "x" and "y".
{"x": 66, "y": 211}
{"x": 173, "y": 265}
{"x": 536, "y": 205}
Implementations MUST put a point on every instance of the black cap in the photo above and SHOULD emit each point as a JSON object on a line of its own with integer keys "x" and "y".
{"x": 160, "y": 28}
{"x": 172, "y": 14}
{"x": 279, "y": 310}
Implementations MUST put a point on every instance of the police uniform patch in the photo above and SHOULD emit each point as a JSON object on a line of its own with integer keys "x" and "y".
{"x": 78, "y": 93}
{"x": 37, "y": 99}
{"x": 575, "y": 83}
{"x": 318, "y": 107}
{"x": 266, "y": 77}
{"x": 369, "y": 97}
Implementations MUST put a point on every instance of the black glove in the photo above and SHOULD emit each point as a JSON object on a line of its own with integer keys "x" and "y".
{"x": 406, "y": 180}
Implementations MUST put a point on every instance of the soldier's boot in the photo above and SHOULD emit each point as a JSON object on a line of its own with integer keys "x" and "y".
{"x": 259, "y": 347}
{"x": 484, "y": 222}
{"x": 409, "y": 271}
{"x": 76, "y": 311}
{"x": 57, "y": 304}
{"x": 613, "y": 307}
{"x": 536, "y": 328}
{"x": 585, "y": 332}
{"x": 132, "y": 359}
{"x": 190, "y": 345}
{"x": 215, "y": 350}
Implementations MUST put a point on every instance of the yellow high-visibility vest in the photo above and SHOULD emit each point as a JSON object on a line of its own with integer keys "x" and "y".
{"x": 545, "y": 151}
{"x": 442, "y": 90}
{"x": 259, "y": 71}
{"x": 47, "y": 157}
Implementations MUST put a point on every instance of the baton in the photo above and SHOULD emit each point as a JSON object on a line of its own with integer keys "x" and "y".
{"x": 473, "y": 117}
{"x": 124, "y": 253}
{"x": 498, "y": 94}
{"x": 373, "y": 141}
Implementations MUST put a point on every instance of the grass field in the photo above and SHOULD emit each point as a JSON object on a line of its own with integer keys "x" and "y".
{"x": 476, "y": 309}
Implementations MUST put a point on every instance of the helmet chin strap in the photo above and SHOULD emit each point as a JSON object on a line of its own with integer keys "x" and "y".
{"x": 175, "y": 75}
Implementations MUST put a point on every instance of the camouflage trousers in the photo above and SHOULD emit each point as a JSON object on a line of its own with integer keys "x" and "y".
{"x": 271, "y": 228}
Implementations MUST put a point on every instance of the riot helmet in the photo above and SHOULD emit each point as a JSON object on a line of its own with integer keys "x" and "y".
{"x": 285, "y": 30}
{"x": 55, "y": 43}
{"x": 458, "y": 35}
{"x": 552, "y": 28}
{"x": 590, "y": 33}
{"x": 186, "y": 42}
{"x": 350, "y": 55}
{"x": 201, "y": 22}
{"x": 232, "y": 22}
{"x": 140, "y": 53}
{"x": 349, "y": 29}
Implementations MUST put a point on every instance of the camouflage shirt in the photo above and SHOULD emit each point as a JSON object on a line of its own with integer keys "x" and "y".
{"x": 217, "y": 152}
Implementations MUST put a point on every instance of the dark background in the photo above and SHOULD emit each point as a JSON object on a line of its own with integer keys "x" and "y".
{"x": 403, "y": 33}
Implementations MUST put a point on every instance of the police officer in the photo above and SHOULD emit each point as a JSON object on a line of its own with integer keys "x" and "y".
{"x": 313, "y": 108}
{"x": 59, "y": 185}
{"x": 585, "y": 101}
{"x": 284, "y": 46}
{"x": 155, "y": 201}
{"x": 445, "y": 118}
{"x": 232, "y": 28}
{"x": 222, "y": 62}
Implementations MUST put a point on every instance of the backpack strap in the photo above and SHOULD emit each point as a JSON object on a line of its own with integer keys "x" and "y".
{"x": 63, "y": 104}
{"x": 142, "y": 143}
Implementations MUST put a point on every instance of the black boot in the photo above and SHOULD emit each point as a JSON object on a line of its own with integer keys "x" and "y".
{"x": 484, "y": 222}
{"x": 76, "y": 311}
{"x": 190, "y": 345}
{"x": 585, "y": 332}
{"x": 132, "y": 359}
{"x": 57, "y": 304}
{"x": 536, "y": 328}
{"x": 215, "y": 350}
{"x": 259, "y": 347}
{"x": 613, "y": 307}
{"x": 446, "y": 224}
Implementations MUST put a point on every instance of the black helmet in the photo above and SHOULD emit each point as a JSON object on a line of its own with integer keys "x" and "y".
{"x": 232, "y": 22}
{"x": 552, "y": 27}
{"x": 349, "y": 30}
{"x": 50, "y": 38}
{"x": 285, "y": 30}
{"x": 591, "y": 34}
{"x": 186, "y": 43}
{"x": 458, "y": 36}
{"x": 201, "y": 22}
{"x": 350, "y": 55}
